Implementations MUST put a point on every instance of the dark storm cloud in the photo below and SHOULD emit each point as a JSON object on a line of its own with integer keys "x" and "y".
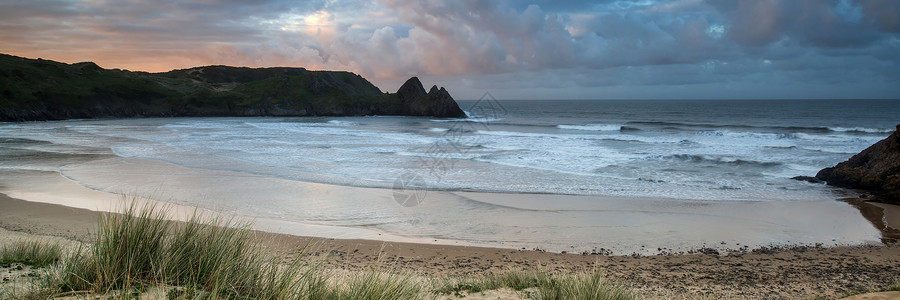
{"x": 820, "y": 23}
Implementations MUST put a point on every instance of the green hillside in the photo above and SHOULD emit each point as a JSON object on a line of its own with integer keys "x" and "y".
{"x": 36, "y": 89}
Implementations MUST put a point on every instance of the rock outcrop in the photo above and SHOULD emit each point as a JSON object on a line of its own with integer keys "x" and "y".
{"x": 437, "y": 102}
{"x": 37, "y": 90}
{"x": 876, "y": 169}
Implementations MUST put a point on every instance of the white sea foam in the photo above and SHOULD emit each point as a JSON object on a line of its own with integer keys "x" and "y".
{"x": 477, "y": 119}
{"x": 592, "y": 127}
{"x": 834, "y": 137}
{"x": 861, "y": 129}
{"x": 342, "y": 123}
{"x": 834, "y": 150}
{"x": 519, "y": 134}
{"x": 805, "y": 168}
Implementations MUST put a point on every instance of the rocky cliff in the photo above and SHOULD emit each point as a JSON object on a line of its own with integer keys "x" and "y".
{"x": 36, "y": 89}
{"x": 876, "y": 169}
{"x": 437, "y": 102}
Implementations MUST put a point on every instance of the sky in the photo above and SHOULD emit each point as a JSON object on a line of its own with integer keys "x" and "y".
{"x": 546, "y": 49}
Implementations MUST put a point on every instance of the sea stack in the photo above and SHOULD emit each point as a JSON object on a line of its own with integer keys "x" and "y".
{"x": 875, "y": 169}
{"x": 437, "y": 102}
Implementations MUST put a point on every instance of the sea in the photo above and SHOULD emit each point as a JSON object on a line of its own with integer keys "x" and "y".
{"x": 666, "y": 151}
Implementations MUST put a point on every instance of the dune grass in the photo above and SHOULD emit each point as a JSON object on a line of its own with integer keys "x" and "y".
{"x": 34, "y": 253}
{"x": 583, "y": 286}
{"x": 140, "y": 247}
{"x": 374, "y": 284}
{"x": 516, "y": 280}
{"x": 30, "y": 252}
{"x": 894, "y": 287}
{"x": 539, "y": 284}
{"x": 211, "y": 257}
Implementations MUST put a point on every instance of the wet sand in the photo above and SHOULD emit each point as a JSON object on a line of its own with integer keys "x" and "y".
{"x": 794, "y": 273}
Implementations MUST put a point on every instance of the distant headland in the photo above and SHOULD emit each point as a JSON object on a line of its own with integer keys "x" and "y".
{"x": 38, "y": 89}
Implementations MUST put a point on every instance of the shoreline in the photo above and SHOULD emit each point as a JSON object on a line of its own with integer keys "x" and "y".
{"x": 797, "y": 272}
{"x": 82, "y": 169}
{"x": 549, "y": 222}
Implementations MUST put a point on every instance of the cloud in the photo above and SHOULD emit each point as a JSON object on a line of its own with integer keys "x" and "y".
{"x": 826, "y": 24}
{"x": 485, "y": 44}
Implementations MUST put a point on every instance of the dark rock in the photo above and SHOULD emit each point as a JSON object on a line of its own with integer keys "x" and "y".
{"x": 876, "y": 169}
{"x": 410, "y": 90}
{"x": 437, "y": 102}
{"x": 809, "y": 179}
{"x": 442, "y": 104}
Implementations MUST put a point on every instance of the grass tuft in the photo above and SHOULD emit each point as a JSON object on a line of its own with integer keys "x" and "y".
{"x": 545, "y": 286}
{"x": 894, "y": 287}
{"x": 140, "y": 247}
{"x": 373, "y": 285}
{"x": 31, "y": 252}
{"x": 585, "y": 286}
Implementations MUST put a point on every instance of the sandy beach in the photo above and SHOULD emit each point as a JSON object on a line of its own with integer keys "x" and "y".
{"x": 788, "y": 273}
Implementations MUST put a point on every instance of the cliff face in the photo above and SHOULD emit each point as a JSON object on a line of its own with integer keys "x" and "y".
{"x": 47, "y": 90}
{"x": 876, "y": 168}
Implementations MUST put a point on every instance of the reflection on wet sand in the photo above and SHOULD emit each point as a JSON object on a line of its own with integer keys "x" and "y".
{"x": 885, "y": 217}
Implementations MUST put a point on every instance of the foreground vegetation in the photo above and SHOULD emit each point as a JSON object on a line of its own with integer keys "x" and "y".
{"x": 210, "y": 257}
{"x": 32, "y": 253}
{"x": 540, "y": 285}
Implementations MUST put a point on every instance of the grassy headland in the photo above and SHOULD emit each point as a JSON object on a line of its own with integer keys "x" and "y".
{"x": 37, "y": 89}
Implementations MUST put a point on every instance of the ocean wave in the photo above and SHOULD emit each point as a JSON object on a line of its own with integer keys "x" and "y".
{"x": 556, "y": 169}
{"x": 592, "y": 127}
{"x": 342, "y": 132}
{"x": 787, "y": 129}
{"x": 646, "y": 139}
{"x": 342, "y": 123}
{"x": 192, "y": 124}
{"x": 830, "y": 150}
{"x": 786, "y": 147}
{"x": 518, "y": 134}
{"x": 721, "y": 160}
{"x": 670, "y": 124}
{"x": 581, "y": 137}
{"x": 683, "y": 125}
{"x": 472, "y": 120}
{"x": 312, "y": 128}
{"x": 827, "y": 138}
{"x": 300, "y": 125}
{"x": 742, "y": 134}
{"x": 782, "y": 138}
{"x": 860, "y": 129}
